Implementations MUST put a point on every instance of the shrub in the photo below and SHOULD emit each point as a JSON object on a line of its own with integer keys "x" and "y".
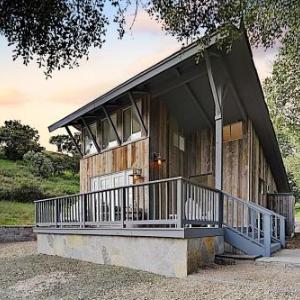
{"x": 39, "y": 163}
{"x": 25, "y": 190}
{"x": 63, "y": 162}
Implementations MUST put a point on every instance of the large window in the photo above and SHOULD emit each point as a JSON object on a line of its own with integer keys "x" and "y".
{"x": 89, "y": 147}
{"x": 131, "y": 125}
{"x": 108, "y": 135}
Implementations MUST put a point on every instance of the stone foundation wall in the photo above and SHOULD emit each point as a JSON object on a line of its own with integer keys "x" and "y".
{"x": 16, "y": 234}
{"x": 175, "y": 257}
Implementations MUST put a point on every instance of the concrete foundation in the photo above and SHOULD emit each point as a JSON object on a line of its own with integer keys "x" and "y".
{"x": 175, "y": 257}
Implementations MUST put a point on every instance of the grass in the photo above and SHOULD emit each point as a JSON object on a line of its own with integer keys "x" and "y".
{"x": 19, "y": 187}
{"x": 297, "y": 210}
{"x": 14, "y": 213}
{"x": 17, "y": 174}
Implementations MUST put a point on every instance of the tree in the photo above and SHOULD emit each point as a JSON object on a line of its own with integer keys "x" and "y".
{"x": 17, "y": 139}
{"x": 65, "y": 144}
{"x": 39, "y": 163}
{"x": 282, "y": 90}
{"x": 58, "y": 33}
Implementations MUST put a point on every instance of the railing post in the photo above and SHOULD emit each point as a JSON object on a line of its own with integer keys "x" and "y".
{"x": 267, "y": 219}
{"x": 179, "y": 202}
{"x": 282, "y": 231}
{"x": 123, "y": 207}
{"x": 55, "y": 213}
{"x": 36, "y": 213}
{"x": 221, "y": 209}
{"x": 83, "y": 204}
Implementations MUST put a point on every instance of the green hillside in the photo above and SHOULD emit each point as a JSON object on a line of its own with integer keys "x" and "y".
{"x": 16, "y": 213}
{"x": 18, "y": 184}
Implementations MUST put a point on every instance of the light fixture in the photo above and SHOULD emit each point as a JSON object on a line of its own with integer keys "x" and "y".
{"x": 136, "y": 173}
{"x": 157, "y": 158}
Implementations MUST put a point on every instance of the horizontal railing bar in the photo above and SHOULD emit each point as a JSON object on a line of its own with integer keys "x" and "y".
{"x": 152, "y": 222}
{"x": 113, "y": 189}
{"x": 255, "y": 206}
{"x": 200, "y": 222}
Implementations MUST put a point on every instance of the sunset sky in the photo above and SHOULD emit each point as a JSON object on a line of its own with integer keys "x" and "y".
{"x": 26, "y": 95}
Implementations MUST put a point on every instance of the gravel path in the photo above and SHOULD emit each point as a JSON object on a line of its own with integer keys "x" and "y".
{"x": 27, "y": 275}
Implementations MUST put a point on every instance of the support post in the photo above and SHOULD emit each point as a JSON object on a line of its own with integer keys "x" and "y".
{"x": 137, "y": 112}
{"x": 282, "y": 231}
{"x": 221, "y": 209}
{"x": 267, "y": 233}
{"x": 179, "y": 203}
{"x": 112, "y": 124}
{"x": 91, "y": 135}
{"x": 74, "y": 141}
{"x": 217, "y": 96}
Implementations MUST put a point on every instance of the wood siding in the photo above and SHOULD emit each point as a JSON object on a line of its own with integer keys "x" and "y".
{"x": 246, "y": 172}
{"x": 284, "y": 204}
{"x": 133, "y": 155}
{"x": 261, "y": 179}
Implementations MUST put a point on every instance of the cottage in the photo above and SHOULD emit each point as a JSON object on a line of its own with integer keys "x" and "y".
{"x": 175, "y": 162}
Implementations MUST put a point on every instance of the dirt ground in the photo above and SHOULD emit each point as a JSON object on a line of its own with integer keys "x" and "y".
{"x": 27, "y": 275}
{"x": 294, "y": 243}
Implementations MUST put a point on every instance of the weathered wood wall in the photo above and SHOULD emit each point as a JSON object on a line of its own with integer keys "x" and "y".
{"x": 261, "y": 179}
{"x": 133, "y": 155}
{"x": 197, "y": 161}
{"x": 128, "y": 156}
{"x": 284, "y": 204}
{"x": 245, "y": 165}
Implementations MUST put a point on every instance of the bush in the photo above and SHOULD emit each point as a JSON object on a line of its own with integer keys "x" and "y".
{"x": 21, "y": 191}
{"x": 39, "y": 163}
{"x": 63, "y": 162}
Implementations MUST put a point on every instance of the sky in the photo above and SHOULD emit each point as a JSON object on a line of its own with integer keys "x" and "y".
{"x": 26, "y": 95}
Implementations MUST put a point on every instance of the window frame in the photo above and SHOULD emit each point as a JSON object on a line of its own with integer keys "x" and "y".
{"x": 86, "y": 135}
{"x": 110, "y": 144}
{"x": 133, "y": 135}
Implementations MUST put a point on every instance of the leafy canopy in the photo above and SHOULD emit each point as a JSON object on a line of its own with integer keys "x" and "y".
{"x": 282, "y": 90}
{"x": 58, "y": 33}
{"x": 65, "y": 144}
{"x": 17, "y": 139}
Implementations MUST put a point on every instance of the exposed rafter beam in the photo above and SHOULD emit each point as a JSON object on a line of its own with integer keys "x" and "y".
{"x": 140, "y": 92}
{"x": 195, "y": 101}
{"x": 217, "y": 96}
{"x": 112, "y": 124}
{"x": 236, "y": 96}
{"x": 212, "y": 83}
{"x": 74, "y": 141}
{"x": 178, "y": 82}
{"x": 137, "y": 112}
{"x": 91, "y": 135}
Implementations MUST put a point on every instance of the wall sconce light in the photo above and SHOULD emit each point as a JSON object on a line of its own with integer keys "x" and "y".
{"x": 136, "y": 173}
{"x": 157, "y": 158}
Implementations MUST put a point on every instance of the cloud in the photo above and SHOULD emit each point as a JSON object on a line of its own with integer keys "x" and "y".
{"x": 144, "y": 24}
{"x": 263, "y": 60}
{"x": 147, "y": 61}
{"x": 80, "y": 96}
{"x": 12, "y": 97}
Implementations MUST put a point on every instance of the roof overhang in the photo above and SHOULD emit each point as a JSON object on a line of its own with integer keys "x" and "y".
{"x": 244, "y": 77}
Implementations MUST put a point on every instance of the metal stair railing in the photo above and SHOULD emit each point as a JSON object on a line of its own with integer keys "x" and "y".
{"x": 256, "y": 223}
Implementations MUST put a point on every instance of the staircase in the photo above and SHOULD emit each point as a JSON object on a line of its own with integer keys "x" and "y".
{"x": 252, "y": 228}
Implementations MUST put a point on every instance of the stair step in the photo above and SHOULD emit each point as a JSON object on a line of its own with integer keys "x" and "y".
{"x": 275, "y": 247}
{"x": 238, "y": 256}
